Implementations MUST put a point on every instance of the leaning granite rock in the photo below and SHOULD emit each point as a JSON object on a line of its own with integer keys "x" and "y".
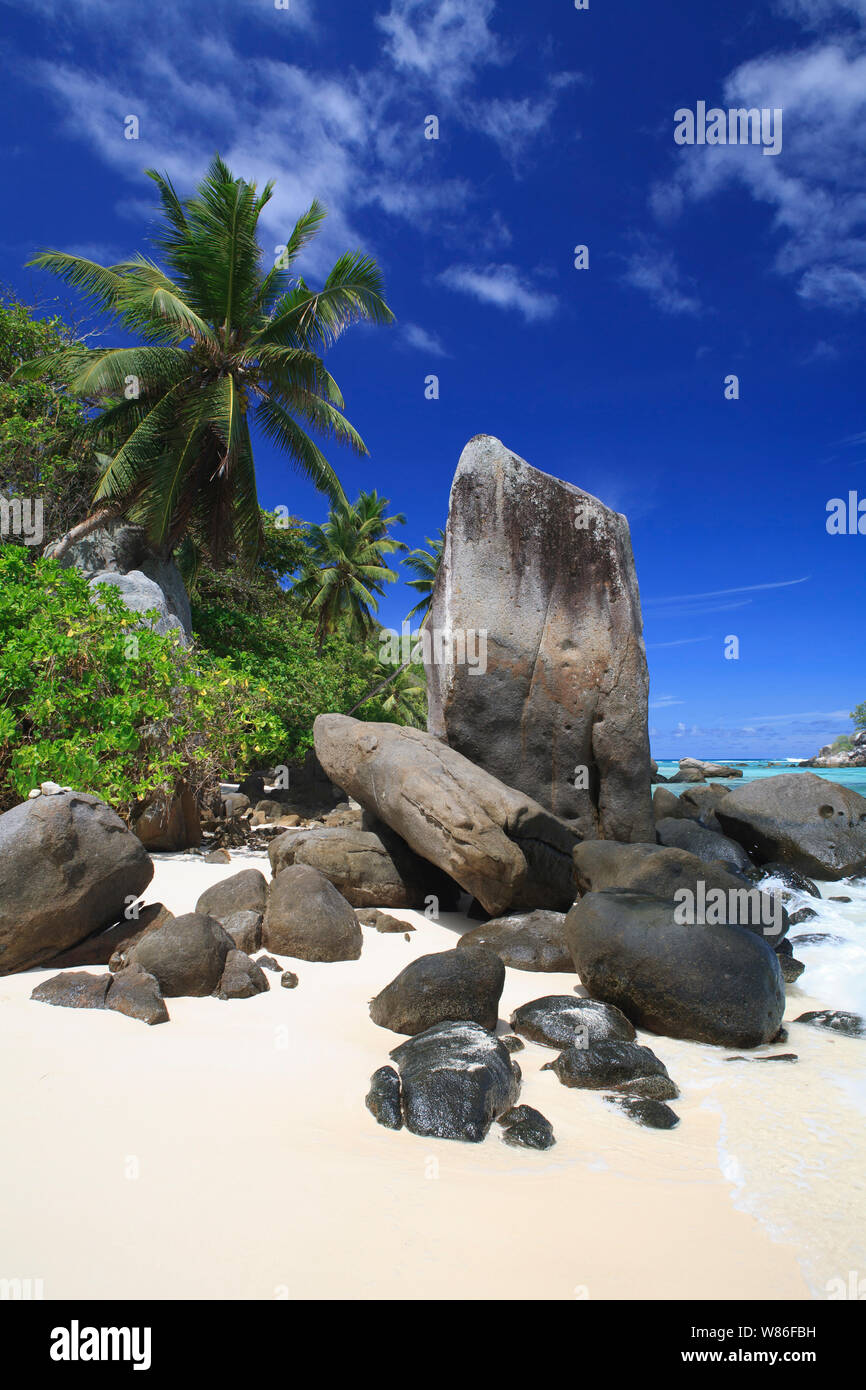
{"x": 68, "y": 868}
{"x": 558, "y": 1020}
{"x": 104, "y": 946}
{"x": 383, "y": 1098}
{"x": 849, "y": 1025}
{"x": 652, "y": 1114}
{"x": 713, "y": 984}
{"x": 242, "y": 978}
{"x": 186, "y": 955}
{"x": 524, "y": 940}
{"x": 369, "y": 869}
{"x": 308, "y": 918}
{"x": 497, "y": 843}
{"x": 545, "y": 571}
{"x": 456, "y": 1079}
{"x": 246, "y": 891}
{"x": 464, "y": 986}
{"x": 625, "y": 1067}
{"x": 801, "y": 819}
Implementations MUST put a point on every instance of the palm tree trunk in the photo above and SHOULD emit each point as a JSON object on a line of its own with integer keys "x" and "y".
{"x": 55, "y": 550}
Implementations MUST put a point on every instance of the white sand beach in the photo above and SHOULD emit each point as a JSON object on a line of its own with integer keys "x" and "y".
{"x": 229, "y": 1154}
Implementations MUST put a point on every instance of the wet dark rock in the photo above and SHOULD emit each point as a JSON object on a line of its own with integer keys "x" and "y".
{"x": 242, "y": 978}
{"x": 817, "y": 938}
{"x": 653, "y": 1114}
{"x": 456, "y": 985}
{"x": 187, "y": 954}
{"x": 526, "y": 1128}
{"x": 840, "y": 900}
{"x": 246, "y": 891}
{"x": 525, "y": 940}
{"x": 307, "y": 917}
{"x": 791, "y": 969}
{"x": 849, "y": 1025}
{"x": 791, "y": 878}
{"x": 714, "y": 984}
{"x": 558, "y": 1020}
{"x": 615, "y": 1066}
{"x": 456, "y": 1079}
{"x": 776, "y": 1057}
{"x": 383, "y": 1098}
{"x": 805, "y": 914}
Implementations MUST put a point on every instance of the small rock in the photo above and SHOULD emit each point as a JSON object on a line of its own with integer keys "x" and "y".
{"x": 840, "y": 900}
{"x": 558, "y": 1020}
{"x": 289, "y": 979}
{"x": 615, "y": 1066}
{"x": 791, "y": 969}
{"x": 526, "y": 1128}
{"x": 512, "y": 1042}
{"x": 653, "y": 1114}
{"x": 817, "y": 938}
{"x": 245, "y": 930}
{"x": 73, "y": 989}
{"x": 383, "y": 1098}
{"x": 268, "y": 963}
{"x": 135, "y": 992}
{"x": 791, "y": 878}
{"x": 803, "y": 914}
{"x": 218, "y": 856}
{"x": 777, "y": 1057}
{"x": 241, "y": 978}
{"x": 850, "y": 1025}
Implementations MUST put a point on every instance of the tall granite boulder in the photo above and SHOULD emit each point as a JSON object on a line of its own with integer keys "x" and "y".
{"x": 119, "y": 553}
{"x": 544, "y": 573}
{"x": 68, "y": 867}
{"x": 497, "y": 843}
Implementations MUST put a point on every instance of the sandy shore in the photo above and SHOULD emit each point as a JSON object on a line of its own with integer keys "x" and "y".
{"x": 229, "y": 1154}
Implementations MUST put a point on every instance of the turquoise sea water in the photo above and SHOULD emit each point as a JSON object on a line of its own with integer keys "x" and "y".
{"x": 755, "y": 768}
{"x": 836, "y": 966}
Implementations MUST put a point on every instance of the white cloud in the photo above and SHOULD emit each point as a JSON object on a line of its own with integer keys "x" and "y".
{"x": 417, "y": 337}
{"x": 502, "y": 286}
{"x": 816, "y": 186}
{"x": 445, "y": 41}
{"x": 657, "y": 274}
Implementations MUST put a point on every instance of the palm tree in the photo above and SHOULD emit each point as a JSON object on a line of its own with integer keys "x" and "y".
{"x": 405, "y": 699}
{"x": 226, "y": 341}
{"x": 345, "y": 570}
{"x": 425, "y": 564}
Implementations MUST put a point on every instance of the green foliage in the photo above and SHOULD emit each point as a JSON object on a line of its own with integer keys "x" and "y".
{"x": 341, "y": 579}
{"x": 92, "y": 699}
{"x": 42, "y": 453}
{"x": 227, "y": 339}
{"x": 859, "y": 716}
{"x": 424, "y": 564}
{"x": 842, "y": 744}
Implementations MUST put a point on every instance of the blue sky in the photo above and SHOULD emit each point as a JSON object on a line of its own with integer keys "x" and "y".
{"x": 556, "y": 129}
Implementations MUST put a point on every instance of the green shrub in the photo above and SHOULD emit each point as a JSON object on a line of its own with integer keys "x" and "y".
{"x": 91, "y": 698}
